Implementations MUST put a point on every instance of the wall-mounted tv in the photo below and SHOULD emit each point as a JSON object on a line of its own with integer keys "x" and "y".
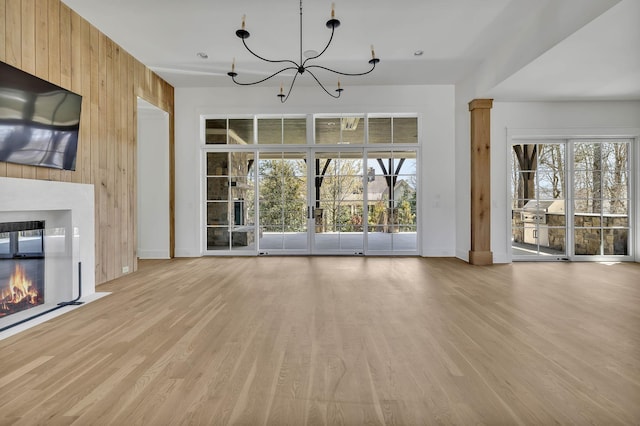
{"x": 39, "y": 121}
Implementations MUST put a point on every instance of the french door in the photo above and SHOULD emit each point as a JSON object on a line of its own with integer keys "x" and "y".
{"x": 320, "y": 200}
{"x": 310, "y": 201}
{"x": 571, "y": 199}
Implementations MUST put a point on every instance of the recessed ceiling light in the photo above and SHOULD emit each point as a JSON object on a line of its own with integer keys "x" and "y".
{"x": 202, "y": 55}
{"x": 418, "y": 53}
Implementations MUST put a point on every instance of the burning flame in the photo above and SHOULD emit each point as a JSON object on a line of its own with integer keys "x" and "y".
{"x": 20, "y": 289}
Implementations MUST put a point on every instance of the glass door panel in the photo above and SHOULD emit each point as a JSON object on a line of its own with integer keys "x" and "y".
{"x": 242, "y": 201}
{"x": 230, "y": 210}
{"x": 538, "y": 201}
{"x": 601, "y": 192}
{"x": 283, "y": 209}
{"x": 338, "y": 202}
{"x": 217, "y": 212}
{"x": 391, "y": 201}
{"x": 404, "y": 179}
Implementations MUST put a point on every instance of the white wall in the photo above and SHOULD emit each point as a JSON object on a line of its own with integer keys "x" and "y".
{"x": 153, "y": 182}
{"x": 464, "y": 94}
{"x": 434, "y": 104}
{"x": 562, "y": 118}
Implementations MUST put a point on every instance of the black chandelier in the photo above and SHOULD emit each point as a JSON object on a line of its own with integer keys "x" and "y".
{"x": 302, "y": 66}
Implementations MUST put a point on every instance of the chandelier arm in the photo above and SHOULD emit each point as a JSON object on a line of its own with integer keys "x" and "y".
{"x": 373, "y": 66}
{"x": 323, "y": 50}
{"x": 268, "y": 60}
{"x": 264, "y": 79}
{"x": 321, "y": 85}
{"x": 284, "y": 99}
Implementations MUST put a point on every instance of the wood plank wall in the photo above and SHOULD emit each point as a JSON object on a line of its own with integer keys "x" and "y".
{"x": 49, "y": 40}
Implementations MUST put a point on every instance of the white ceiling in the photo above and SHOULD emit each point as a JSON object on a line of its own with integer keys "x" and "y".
{"x": 559, "y": 49}
{"x": 599, "y": 61}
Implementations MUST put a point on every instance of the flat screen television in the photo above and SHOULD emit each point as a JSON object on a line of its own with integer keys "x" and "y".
{"x": 39, "y": 121}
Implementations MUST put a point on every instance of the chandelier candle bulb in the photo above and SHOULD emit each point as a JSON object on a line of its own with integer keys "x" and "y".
{"x": 244, "y": 17}
{"x": 233, "y": 65}
{"x": 373, "y": 52}
{"x": 333, "y": 10}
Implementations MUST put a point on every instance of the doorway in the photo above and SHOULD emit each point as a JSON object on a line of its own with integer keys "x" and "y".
{"x": 153, "y": 182}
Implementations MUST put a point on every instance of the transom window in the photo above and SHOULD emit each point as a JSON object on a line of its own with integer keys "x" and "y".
{"x": 342, "y": 129}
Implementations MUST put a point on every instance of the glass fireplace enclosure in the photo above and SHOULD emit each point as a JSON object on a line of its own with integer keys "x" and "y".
{"x": 21, "y": 266}
{"x": 571, "y": 199}
{"x": 311, "y": 185}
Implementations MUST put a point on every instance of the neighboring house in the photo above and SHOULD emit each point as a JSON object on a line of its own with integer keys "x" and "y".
{"x": 377, "y": 191}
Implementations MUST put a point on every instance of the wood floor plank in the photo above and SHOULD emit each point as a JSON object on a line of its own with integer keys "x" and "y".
{"x": 336, "y": 340}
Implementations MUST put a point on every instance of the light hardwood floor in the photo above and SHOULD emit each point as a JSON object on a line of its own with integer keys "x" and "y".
{"x": 325, "y": 340}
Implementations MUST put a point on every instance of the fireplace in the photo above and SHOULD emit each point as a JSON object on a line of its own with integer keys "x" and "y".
{"x": 47, "y": 244}
{"x": 22, "y": 266}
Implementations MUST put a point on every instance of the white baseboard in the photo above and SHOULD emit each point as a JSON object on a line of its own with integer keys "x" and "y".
{"x": 185, "y": 252}
{"x": 501, "y": 258}
{"x": 438, "y": 253}
{"x": 153, "y": 254}
{"x": 463, "y": 255}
